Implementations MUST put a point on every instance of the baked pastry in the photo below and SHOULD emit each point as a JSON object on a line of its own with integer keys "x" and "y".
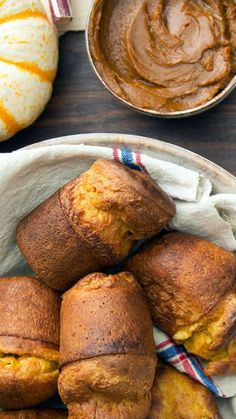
{"x": 29, "y": 341}
{"x": 106, "y": 343}
{"x": 176, "y": 395}
{"x": 92, "y": 223}
{"x": 191, "y": 286}
{"x": 34, "y": 414}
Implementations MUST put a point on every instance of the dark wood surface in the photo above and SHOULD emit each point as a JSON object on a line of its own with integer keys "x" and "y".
{"x": 80, "y": 104}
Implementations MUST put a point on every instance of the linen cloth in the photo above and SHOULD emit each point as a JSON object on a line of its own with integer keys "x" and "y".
{"x": 29, "y": 176}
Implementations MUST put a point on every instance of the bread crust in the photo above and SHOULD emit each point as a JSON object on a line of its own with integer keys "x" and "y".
{"x": 29, "y": 317}
{"x": 171, "y": 388}
{"x": 108, "y": 386}
{"x": 35, "y": 414}
{"x": 106, "y": 343}
{"x": 99, "y": 317}
{"x": 18, "y": 392}
{"x": 29, "y": 342}
{"x": 144, "y": 206}
{"x": 17, "y": 345}
{"x": 184, "y": 277}
{"x": 61, "y": 248}
{"x": 225, "y": 330}
{"x": 224, "y": 366}
{"x": 51, "y": 246}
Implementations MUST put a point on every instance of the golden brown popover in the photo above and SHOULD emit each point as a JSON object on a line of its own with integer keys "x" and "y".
{"x": 29, "y": 342}
{"x": 191, "y": 286}
{"x": 107, "y": 350}
{"x": 177, "y": 396}
{"x": 92, "y": 223}
{"x": 34, "y": 414}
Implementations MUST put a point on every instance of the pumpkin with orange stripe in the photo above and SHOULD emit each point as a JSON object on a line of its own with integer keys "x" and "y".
{"x": 28, "y": 63}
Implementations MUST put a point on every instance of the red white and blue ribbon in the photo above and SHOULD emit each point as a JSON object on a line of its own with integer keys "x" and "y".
{"x": 61, "y": 10}
{"x": 166, "y": 348}
{"x": 129, "y": 158}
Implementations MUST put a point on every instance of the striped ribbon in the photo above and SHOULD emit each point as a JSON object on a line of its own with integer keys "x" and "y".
{"x": 174, "y": 354}
{"x": 178, "y": 357}
{"x": 129, "y": 158}
{"x": 61, "y": 11}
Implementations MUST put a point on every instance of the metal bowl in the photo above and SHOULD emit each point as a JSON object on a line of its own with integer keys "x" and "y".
{"x": 178, "y": 114}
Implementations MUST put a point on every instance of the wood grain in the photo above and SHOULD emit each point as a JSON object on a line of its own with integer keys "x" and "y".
{"x": 80, "y": 104}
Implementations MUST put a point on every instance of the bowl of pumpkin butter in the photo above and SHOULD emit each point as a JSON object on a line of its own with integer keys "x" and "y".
{"x": 166, "y": 58}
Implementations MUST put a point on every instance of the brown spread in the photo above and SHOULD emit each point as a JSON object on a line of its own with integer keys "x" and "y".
{"x": 164, "y": 55}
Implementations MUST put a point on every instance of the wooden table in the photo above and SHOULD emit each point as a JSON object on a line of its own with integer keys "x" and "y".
{"x": 80, "y": 104}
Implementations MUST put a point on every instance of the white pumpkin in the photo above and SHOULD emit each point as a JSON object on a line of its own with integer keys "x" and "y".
{"x": 28, "y": 63}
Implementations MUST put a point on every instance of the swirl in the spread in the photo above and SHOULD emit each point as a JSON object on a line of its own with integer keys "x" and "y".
{"x": 164, "y": 55}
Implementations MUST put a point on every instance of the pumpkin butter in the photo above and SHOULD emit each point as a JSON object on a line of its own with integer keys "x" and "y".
{"x": 164, "y": 55}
